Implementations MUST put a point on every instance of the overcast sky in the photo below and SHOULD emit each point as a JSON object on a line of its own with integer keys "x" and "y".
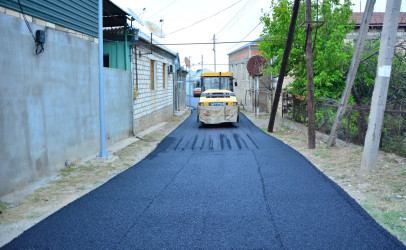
{"x": 231, "y": 21}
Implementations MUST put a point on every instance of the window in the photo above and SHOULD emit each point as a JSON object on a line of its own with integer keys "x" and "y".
{"x": 163, "y": 75}
{"x": 106, "y": 60}
{"x": 152, "y": 74}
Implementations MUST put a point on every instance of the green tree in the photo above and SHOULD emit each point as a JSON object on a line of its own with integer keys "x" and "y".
{"x": 332, "y": 55}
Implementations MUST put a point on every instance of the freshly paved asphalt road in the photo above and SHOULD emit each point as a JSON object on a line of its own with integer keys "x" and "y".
{"x": 213, "y": 187}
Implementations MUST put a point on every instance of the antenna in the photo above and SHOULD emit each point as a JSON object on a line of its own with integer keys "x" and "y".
{"x": 135, "y": 16}
{"x": 143, "y": 11}
{"x": 155, "y": 29}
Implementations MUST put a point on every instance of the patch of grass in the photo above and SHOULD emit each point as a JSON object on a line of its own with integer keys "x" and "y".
{"x": 265, "y": 130}
{"x": 34, "y": 215}
{"x": 397, "y": 187}
{"x": 35, "y": 199}
{"x": 358, "y": 150}
{"x": 126, "y": 165}
{"x": 392, "y": 219}
{"x": 322, "y": 153}
{"x": 3, "y": 206}
{"x": 340, "y": 177}
{"x": 89, "y": 168}
{"x": 387, "y": 197}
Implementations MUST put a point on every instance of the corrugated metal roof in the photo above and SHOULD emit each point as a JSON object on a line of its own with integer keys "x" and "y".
{"x": 74, "y": 14}
{"x": 147, "y": 38}
{"x": 141, "y": 35}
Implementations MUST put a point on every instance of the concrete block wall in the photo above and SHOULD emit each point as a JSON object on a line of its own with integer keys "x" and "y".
{"x": 49, "y": 103}
{"x": 151, "y": 106}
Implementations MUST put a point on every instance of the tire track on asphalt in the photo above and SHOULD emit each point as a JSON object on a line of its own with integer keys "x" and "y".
{"x": 152, "y": 201}
{"x": 271, "y": 217}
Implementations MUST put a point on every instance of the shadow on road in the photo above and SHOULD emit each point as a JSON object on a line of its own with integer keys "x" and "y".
{"x": 216, "y": 126}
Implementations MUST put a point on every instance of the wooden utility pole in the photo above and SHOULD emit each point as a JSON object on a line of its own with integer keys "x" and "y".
{"x": 386, "y": 51}
{"x": 285, "y": 59}
{"x": 356, "y": 58}
{"x": 311, "y": 119}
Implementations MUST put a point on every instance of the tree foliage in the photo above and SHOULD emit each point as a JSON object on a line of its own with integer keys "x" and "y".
{"x": 332, "y": 55}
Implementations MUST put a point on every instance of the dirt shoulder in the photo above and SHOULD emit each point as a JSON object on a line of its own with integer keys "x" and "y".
{"x": 381, "y": 193}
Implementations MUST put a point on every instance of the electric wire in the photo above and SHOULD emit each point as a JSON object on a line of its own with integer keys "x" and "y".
{"x": 164, "y": 8}
{"x": 239, "y": 14}
{"x": 203, "y": 19}
{"x": 39, "y": 45}
{"x": 248, "y": 35}
{"x": 26, "y": 22}
{"x": 197, "y": 43}
{"x": 243, "y": 8}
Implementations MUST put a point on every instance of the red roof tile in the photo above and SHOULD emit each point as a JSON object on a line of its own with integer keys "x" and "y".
{"x": 377, "y": 18}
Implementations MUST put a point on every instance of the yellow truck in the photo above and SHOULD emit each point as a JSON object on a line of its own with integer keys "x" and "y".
{"x": 217, "y": 103}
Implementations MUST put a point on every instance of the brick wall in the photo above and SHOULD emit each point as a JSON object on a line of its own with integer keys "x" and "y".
{"x": 152, "y": 106}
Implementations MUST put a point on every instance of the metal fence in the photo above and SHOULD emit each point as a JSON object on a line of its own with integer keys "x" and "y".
{"x": 355, "y": 122}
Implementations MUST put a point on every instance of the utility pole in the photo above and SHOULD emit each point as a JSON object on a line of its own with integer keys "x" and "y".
{"x": 356, "y": 58}
{"x": 311, "y": 119}
{"x": 285, "y": 59}
{"x": 214, "y": 49}
{"x": 202, "y": 63}
{"x": 379, "y": 96}
{"x": 190, "y": 87}
{"x": 103, "y": 151}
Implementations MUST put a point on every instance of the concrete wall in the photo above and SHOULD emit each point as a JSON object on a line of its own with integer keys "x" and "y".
{"x": 49, "y": 104}
{"x": 117, "y": 98}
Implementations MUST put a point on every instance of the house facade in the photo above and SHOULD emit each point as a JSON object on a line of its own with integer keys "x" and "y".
{"x": 154, "y": 77}
{"x": 375, "y": 26}
{"x": 254, "y": 93}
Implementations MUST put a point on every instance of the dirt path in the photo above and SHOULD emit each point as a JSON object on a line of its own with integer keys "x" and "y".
{"x": 381, "y": 193}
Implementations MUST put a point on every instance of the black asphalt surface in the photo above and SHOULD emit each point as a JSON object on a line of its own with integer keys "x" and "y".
{"x": 213, "y": 187}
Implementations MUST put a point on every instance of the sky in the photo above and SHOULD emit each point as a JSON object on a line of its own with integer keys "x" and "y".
{"x": 229, "y": 20}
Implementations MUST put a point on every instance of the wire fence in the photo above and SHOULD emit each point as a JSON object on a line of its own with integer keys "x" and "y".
{"x": 354, "y": 124}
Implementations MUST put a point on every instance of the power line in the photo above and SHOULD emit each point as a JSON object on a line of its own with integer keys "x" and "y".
{"x": 175, "y": 44}
{"x": 203, "y": 19}
{"x": 246, "y": 37}
{"x": 249, "y": 34}
{"x": 159, "y": 11}
{"x": 234, "y": 19}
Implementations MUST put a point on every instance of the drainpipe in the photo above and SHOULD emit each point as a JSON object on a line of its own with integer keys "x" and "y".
{"x": 125, "y": 46}
{"x": 132, "y": 89}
